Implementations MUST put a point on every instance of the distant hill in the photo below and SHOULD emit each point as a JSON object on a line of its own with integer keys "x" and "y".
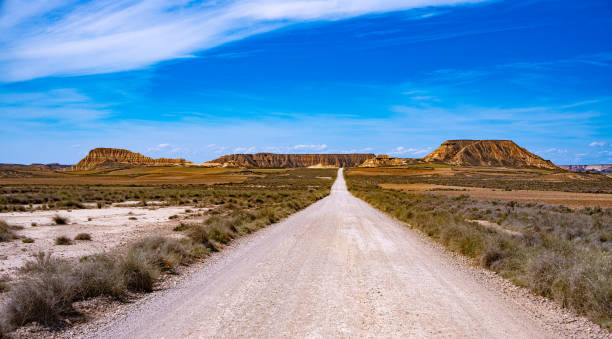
{"x": 108, "y": 158}
{"x": 273, "y": 160}
{"x": 601, "y": 168}
{"x": 495, "y": 153}
{"x": 33, "y": 170}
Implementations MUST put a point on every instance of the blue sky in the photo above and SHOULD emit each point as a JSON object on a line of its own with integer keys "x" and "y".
{"x": 197, "y": 80}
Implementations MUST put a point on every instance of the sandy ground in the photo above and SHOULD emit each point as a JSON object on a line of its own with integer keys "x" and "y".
{"x": 339, "y": 269}
{"x": 569, "y": 199}
{"x": 109, "y": 227}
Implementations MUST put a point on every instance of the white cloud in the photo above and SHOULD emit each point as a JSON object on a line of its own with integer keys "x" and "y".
{"x": 310, "y": 147}
{"x": 45, "y": 38}
{"x": 555, "y": 151}
{"x": 61, "y": 105}
{"x": 597, "y": 143}
{"x": 401, "y": 150}
{"x": 251, "y": 149}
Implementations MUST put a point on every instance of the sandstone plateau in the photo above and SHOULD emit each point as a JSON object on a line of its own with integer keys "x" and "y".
{"x": 273, "y": 160}
{"x": 494, "y": 153}
{"x": 99, "y": 158}
{"x": 383, "y": 160}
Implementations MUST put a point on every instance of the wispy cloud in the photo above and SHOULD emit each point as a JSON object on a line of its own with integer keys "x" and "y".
{"x": 61, "y": 105}
{"x": 401, "y": 150}
{"x": 597, "y": 143}
{"x": 50, "y": 38}
{"x": 310, "y": 147}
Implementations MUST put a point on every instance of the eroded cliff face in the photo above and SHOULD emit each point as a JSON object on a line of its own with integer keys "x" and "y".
{"x": 495, "y": 153}
{"x": 383, "y": 160}
{"x": 273, "y": 160}
{"x": 115, "y": 157}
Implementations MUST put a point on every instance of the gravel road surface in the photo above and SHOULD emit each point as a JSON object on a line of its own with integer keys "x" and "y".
{"x": 339, "y": 268}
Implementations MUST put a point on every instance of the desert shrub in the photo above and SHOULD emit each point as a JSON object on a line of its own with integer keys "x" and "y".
{"x": 6, "y": 232}
{"x": 59, "y": 220}
{"x": 199, "y": 235}
{"x": 99, "y": 275}
{"x": 69, "y": 204}
{"x": 44, "y": 263}
{"x": 63, "y": 240}
{"x": 138, "y": 273}
{"x": 27, "y": 240}
{"x": 44, "y": 295}
{"x": 167, "y": 253}
{"x": 43, "y": 298}
{"x": 4, "y": 284}
{"x": 181, "y": 227}
{"x": 83, "y": 236}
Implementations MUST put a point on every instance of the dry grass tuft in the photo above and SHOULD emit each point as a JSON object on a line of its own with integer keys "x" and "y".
{"x": 63, "y": 240}
{"x": 60, "y": 220}
{"x": 83, "y": 236}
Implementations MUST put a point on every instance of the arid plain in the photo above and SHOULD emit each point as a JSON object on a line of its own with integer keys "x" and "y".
{"x": 102, "y": 235}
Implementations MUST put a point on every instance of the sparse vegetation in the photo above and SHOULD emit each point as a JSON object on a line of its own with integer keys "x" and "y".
{"x": 63, "y": 240}
{"x": 557, "y": 252}
{"x": 18, "y": 197}
{"x": 27, "y": 240}
{"x": 83, "y": 236}
{"x": 234, "y": 210}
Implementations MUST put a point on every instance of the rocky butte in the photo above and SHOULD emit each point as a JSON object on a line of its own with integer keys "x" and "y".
{"x": 273, "y": 160}
{"x": 116, "y": 158}
{"x": 494, "y": 153}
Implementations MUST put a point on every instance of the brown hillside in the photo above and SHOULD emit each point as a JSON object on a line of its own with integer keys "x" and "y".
{"x": 272, "y": 160}
{"x": 495, "y": 153}
{"x": 120, "y": 158}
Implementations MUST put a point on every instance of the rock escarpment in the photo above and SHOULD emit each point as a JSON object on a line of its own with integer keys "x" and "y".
{"x": 99, "y": 158}
{"x": 383, "y": 160}
{"x": 495, "y": 153}
{"x": 273, "y": 160}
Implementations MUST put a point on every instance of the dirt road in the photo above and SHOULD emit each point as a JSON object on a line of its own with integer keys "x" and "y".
{"x": 339, "y": 268}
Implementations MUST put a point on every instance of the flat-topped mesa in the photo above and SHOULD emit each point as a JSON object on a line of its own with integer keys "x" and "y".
{"x": 116, "y": 157}
{"x": 273, "y": 160}
{"x": 494, "y": 153}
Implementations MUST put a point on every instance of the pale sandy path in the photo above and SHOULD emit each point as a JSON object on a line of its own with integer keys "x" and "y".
{"x": 339, "y": 268}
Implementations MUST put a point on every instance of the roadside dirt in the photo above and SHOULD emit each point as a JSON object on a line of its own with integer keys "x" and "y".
{"x": 109, "y": 228}
{"x": 339, "y": 268}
